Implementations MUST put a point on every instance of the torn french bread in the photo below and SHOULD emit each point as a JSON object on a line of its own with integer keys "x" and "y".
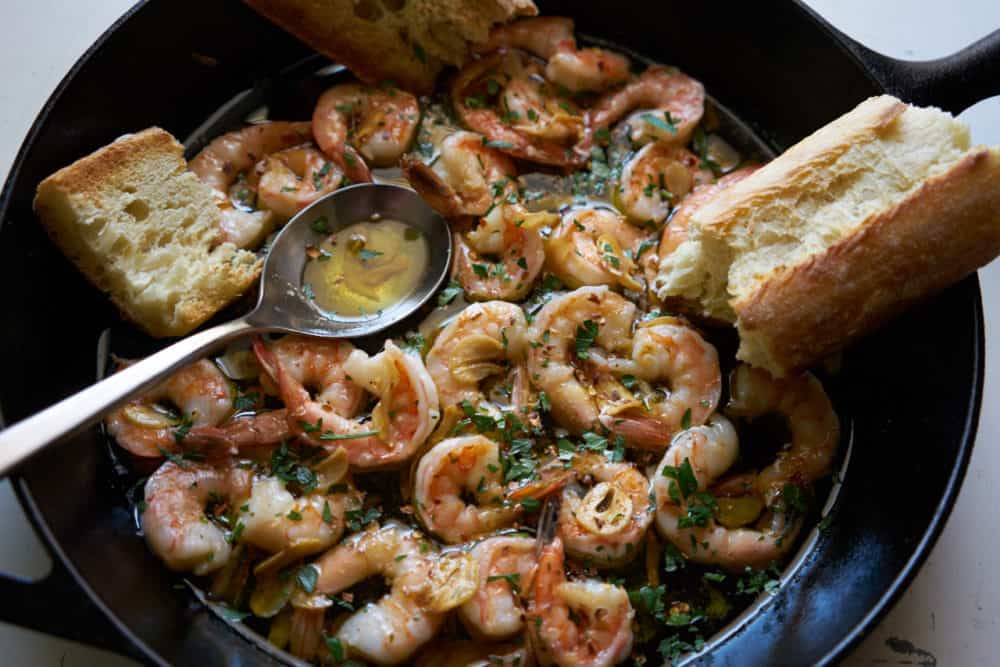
{"x": 144, "y": 229}
{"x": 406, "y": 42}
{"x": 876, "y": 211}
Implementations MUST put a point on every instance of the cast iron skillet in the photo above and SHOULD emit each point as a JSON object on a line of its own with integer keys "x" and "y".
{"x": 912, "y": 391}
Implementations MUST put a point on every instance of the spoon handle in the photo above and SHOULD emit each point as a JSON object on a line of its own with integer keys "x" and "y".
{"x": 72, "y": 414}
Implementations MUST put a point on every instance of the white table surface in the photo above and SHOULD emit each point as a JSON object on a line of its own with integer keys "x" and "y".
{"x": 950, "y": 613}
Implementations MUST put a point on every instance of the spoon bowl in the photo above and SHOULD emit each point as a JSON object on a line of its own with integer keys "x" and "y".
{"x": 283, "y": 306}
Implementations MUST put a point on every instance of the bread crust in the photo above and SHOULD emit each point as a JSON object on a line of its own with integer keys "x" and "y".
{"x": 408, "y": 43}
{"x": 74, "y": 199}
{"x": 935, "y": 237}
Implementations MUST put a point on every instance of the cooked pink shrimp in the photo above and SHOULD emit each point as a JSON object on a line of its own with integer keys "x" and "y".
{"x": 658, "y": 178}
{"x": 481, "y": 342}
{"x": 518, "y": 251}
{"x": 672, "y": 104}
{"x": 813, "y": 423}
{"x": 273, "y": 519}
{"x": 551, "y": 38}
{"x": 174, "y": 520}
{"x": 710, "y": 450}
{"x": 591, "y": 246}
{"x": 458, "y": 489}
{"x": 379, "y": 122}
{"x": 667, "y": 350}
{"x": 604, "y": 525}
{"x": 318, "y": 365}
{"x": 258, "y": 430}
{"x": 291, "y": 179}
{"x": 537, "y": 124}
{"x": 577, "y": 623}
{"x": 401, "y": 421}
{"x": 390, "y": 631}
{"x": 466, "y": 179}
{"x": 145, "y": 426}
{"x": 506, "y": 565}
{"x": 552, "y": 365}
{"x": 225, "y": 164}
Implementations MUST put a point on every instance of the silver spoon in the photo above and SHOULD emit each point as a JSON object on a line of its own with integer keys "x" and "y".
{"x": 281, "y": 307}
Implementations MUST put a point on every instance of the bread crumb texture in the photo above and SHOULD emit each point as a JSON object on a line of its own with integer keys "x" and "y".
{"x": 143, "y": 228}
{"x": 405, "y": 41}
{"x": 880, "y": 208}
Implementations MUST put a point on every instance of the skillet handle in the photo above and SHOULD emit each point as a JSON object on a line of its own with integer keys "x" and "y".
{"x": 953, "y": 83}
{"x": 56, "y": 605}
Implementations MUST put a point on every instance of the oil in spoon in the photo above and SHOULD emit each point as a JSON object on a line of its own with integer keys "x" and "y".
{"x": 366, "y": 267}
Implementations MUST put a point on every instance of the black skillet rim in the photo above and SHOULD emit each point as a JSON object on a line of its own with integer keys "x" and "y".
{"x": 878, "y": 611}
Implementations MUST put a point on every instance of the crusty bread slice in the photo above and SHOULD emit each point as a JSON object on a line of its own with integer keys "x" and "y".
{"x": 879, "y": 209}
{"x": 143, "y": 228}
{"x": 405, "y": 41}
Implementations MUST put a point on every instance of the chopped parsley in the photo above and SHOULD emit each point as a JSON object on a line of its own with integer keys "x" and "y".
{"x": 513, "y": 579}
{"x": 306, "y": 578}
{"x": 357, "y": 519}
{"x": 666, "y": 123}
{"x": 448, "y": 294}
{"x": 586, "y": 335}
{"x": 321, "y": 225}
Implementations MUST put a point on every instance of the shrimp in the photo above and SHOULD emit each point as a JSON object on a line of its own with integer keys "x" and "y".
{"x": 537, "y": 124}
{"x": 257, "y": 430}
{"x": 577, "y": 623}
{"x": 391, "y": 630}
{"x": 291, "y": 179}
{"x": 710, "y": 450}
{"x": 379, "y": 122}
{"x": 225, "y": 164}
{"x": 605, "y": 524}
{"x": 589, "y": 247}
{"x": 466, "y": 179}
{"x": 403, "y": 418}
{"x": 174, "y": 520}
{"x": 452, "y": 471}
{"x": 465, "y": 653}
{"x": 506, "y": 565}
{"x": 273, "y": 519}
{"x": 474, "y": 346}
{"x": 551, "y": 38}
{"x": 318, "y": 365}
{"x": 200, "y": 392}
{"x": 656, "y": 179}
{"x": 811, "y": 419}
{"x": 668, "y": 350}
{"x": 507, "y": 234}
{"x": 552, "y": 365}
{"x": 673, "y": 105}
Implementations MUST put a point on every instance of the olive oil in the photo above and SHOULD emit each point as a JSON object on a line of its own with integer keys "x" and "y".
{"x": 366, "y": 267}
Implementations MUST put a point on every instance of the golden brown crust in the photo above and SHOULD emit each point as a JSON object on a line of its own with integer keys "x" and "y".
{"x": 142, "y": 228}
{"x": 408, "y": 43}
{"x": 111, "y": 162}
{"x": 942, "y": 232}
{"x": 800, "y": 163}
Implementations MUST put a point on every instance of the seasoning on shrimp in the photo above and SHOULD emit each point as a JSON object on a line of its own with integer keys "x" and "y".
{"x": 547, "y": 429}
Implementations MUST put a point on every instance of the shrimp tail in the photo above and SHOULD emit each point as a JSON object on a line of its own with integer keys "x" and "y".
{"x": 353, "y": 165}
{"x": 647, "y": 434}
{"x": 295, "y": 396}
